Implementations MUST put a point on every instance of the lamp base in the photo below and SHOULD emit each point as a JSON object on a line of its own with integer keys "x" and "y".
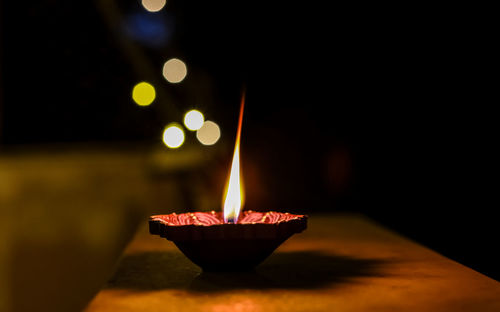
{"x": 216, "y": 246}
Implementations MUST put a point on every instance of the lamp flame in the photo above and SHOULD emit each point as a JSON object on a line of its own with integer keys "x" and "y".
{"x": 234, "y": 199}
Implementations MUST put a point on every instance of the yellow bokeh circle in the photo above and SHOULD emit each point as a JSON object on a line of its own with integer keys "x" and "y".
{"x": 143, "y": 94}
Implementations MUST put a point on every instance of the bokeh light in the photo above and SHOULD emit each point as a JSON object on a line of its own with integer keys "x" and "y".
{"x": 209, "y": 133}
{"x": 193, "y": 120}
{"x": 173, "y": 135}
{"x": 143, "y": 94}
{"x": 174, "y": 70}
{"x": 153, "y": 5}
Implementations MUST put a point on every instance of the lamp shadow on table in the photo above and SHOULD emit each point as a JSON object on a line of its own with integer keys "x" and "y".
{"x": 283, "y": 270}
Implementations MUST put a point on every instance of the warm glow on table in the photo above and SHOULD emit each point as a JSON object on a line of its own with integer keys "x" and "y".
{"x": 342, "y": 263}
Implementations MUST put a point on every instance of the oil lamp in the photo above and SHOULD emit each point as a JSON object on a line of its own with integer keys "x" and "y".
{"x": 228, "y": 241}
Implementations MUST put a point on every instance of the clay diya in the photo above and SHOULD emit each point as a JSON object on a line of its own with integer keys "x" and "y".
{"x": 214, "y": 245}
{"x": 228, "y": 241}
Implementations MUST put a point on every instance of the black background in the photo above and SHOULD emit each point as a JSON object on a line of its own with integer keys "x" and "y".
{"x": 396, "y": 94}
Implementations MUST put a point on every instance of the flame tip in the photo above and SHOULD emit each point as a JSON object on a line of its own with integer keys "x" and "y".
{"x": 233, "y": 201}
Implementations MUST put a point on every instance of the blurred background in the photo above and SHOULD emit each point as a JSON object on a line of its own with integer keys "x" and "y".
{"x": 349, "y": 108}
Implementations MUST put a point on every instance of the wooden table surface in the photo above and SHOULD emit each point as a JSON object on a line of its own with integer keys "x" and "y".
{"x": 340, "y": 263}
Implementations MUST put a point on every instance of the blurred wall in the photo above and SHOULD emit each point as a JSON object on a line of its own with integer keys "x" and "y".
{"x": 65, "y": 217}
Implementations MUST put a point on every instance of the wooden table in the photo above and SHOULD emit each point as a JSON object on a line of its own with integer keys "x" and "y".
{"x": 340, "y": 263}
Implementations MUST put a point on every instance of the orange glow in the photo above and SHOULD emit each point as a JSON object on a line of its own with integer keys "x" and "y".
{"x": 234, "y": 198}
